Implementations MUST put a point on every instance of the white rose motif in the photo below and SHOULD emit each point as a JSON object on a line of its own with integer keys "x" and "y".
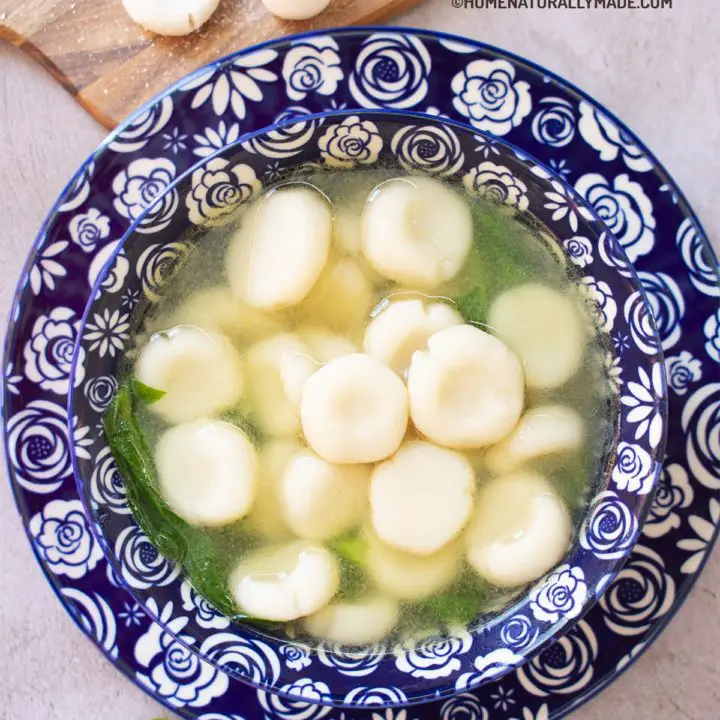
{"x": 579, "y": 249}
{"x": 297, "y": 657}
{"x": 368, "y": 696}
{"x": 712, "y": 335}
{"x": 641, "y": 593}
{"x": 391, "y": 71}
{"x": 141, "y": 565}
{"x": 88, "y": 229}
{"x": 309, "y": 701}
{"x": 243, "y": 657}
{"x": 645, "y": 401}
{"x": 486, "y": 92}
{"x": 495, "y": 663}
{"x": 206, "y": 616}
{"x": 610, "y": 528}
{"x": 700, "y": 543}
{"x": 609, "y": 140}
{"x": 682, "y": 370}
{"x": 115, "y": 276}
{"x": 613, "y": 255}
{"x": 157, "y": 265}
{"x": 218, "y": 190}
{"x": 496, "y": 182}
{"x": 564, "y": 668}
{"x": 432, "y": 657}
{"x": 562, "y": 594}
{"x": 63, "y": 539}
{"x": 699, "y": 259}
{"x": 47, "y": 267}
{"x": 435, "y": 149}
{"x": 600, "y": 294}
{"x": 107, "y": 486}
{"x": 701, "y": 422}
{"x": 107, "y": 333}
{"x": 625, "y": 208}
{"x": 170, "y": 670}
{"x": 554, "y": 124}
{"x": 519, "y": 632}
{"x": 642, "y": 324}
{"x": 99, "y": 391}
{"x": 463, "y": 706}
{"x": 39, "y": 445}
{"x": 353, "y": 662}
{"x": 667, "y": 304}
{"x": 136, "y": 134}
{"x": 352, "y": 141}
{"x": 144, "y": 183}
{"x": 96, "y": 618}
{"x": 285, "y": 141}
{"x": 218, "y": 716}
{"x": 50, "y": 349}
{"x": 312, "y": 65}
{"x": 634, "y": 470}
{"x": 674, "y": 492}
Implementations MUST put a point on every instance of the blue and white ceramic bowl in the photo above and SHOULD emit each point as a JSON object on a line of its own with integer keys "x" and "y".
{"x": 163, "y": 208}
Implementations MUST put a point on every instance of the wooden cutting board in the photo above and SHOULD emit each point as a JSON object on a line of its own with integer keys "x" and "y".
{"x": 111, "y": 65}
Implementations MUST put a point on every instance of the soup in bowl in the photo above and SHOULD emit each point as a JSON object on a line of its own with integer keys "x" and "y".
{"x": 364, "y": 441}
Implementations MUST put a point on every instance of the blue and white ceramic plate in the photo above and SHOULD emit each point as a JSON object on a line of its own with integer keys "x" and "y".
{"x": 355, "y": 68}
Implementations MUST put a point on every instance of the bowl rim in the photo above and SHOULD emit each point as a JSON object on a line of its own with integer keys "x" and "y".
{"x": 556, "y": 629}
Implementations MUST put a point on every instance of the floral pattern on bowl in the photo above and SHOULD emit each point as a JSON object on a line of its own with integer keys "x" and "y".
{"x": 227, "y": 180}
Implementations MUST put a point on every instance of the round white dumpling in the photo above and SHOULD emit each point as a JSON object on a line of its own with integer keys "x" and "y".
{"x": 520, "y": 531}
{"x": 266, "y": 519}
{"x": 421, "y": 498}
{"x": 358, "y": 622}
{"x": 277, "y": 255}
{"x": 341, "y": 300}
{"x": 320, "y": 499}
{"x": 285, "y": 583}
{"x": 416, "y": 231}
{"x": 544, "y": 328}
{"x": 412, "y": 577}
{"x": 295, "y": 9}
{"x": 207, "y": 472}
{"x": 277, "y": 370}
{"x": 217, "y": 309}
{"x": 466, "y": 390}
{"x": 354, "y": 410}
{"x": 541, "y": 432}
{"x": 200, "y": 373}
{"x": 170, "y": 17}
{"x": 404, "y": 326}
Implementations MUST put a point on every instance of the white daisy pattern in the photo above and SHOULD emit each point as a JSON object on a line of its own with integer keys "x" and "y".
{"x": 48, "y": 268}
{"x": 563, "y": 206}
{"x": 108, "y": 332}
{"x": 214, "y": 139}
{"x": 644, "y": 398}
{"x": 704, "y": 531}
{"x": 233, "y": 84}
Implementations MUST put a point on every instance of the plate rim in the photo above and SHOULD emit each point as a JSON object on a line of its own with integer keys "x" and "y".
{"x": 103, "y": 147}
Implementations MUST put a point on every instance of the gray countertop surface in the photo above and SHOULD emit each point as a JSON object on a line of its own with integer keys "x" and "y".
{"x": 657, "y": 70}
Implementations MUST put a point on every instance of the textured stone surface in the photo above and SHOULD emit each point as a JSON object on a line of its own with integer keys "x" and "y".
{"x": 657, "y": 70}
